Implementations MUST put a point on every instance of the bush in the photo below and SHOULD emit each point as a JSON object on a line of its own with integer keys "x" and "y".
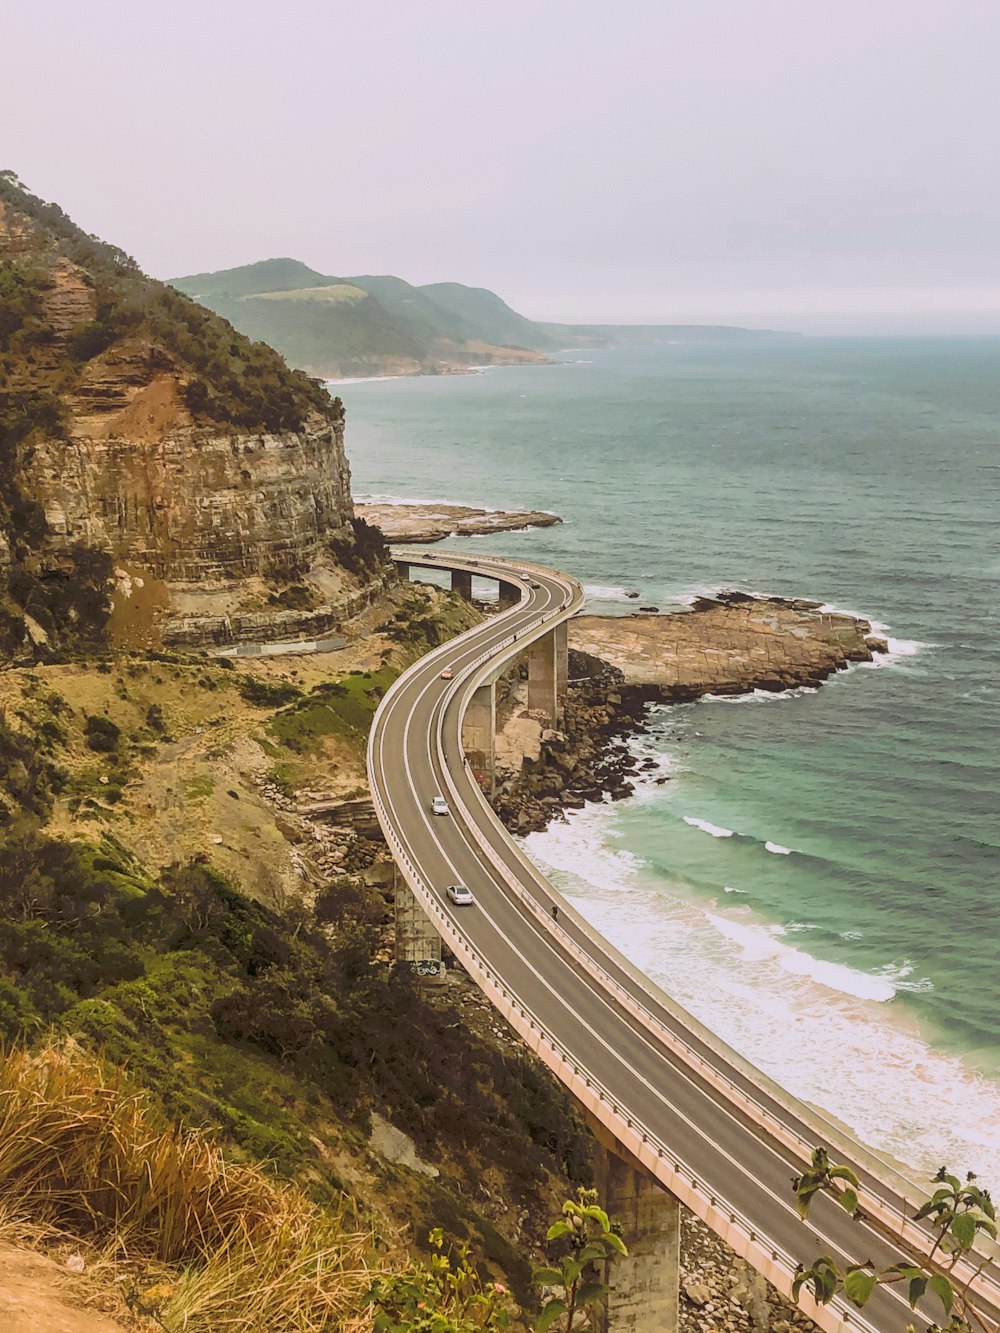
{"x": 267, "y": 694}
{"x": 101, "y": 733}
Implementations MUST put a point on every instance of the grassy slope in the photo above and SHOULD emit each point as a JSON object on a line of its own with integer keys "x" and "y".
{"x": 274, "y": 1025}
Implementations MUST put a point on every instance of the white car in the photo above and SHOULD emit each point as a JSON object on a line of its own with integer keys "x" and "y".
{"x": 459, "y": 895}
{"x": 439, "y": 806}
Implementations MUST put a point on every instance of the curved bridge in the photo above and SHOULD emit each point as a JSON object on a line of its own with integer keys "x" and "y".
{"x": 682, "y": 1106}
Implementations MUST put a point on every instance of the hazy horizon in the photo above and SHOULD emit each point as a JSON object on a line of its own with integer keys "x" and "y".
{"x": 770, "y": 165}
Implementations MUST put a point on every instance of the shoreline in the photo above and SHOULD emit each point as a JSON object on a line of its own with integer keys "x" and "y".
{"x": 730, "y": 647}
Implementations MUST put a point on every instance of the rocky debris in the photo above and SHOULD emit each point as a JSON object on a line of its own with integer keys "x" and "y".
{"x": 729, "y": 644}
{"x": 721, "y": 1293}
{"x": 431, "y": 523}
{"x": 397, "y": 1147}
{"x": 587, "y": 759}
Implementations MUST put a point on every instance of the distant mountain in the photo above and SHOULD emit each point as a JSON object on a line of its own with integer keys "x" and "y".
{"x": 336, "y": 327}
{"x": 380, "y": 324}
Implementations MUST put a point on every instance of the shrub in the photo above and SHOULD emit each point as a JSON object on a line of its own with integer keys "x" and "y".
{"x": 101, "y": 733}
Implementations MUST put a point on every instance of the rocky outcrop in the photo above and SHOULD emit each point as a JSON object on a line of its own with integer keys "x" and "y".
{"x": 186, "y": 503}
{"x": 418, "y": 523}
{"x": 159, "y": 436}
{"x": 729, "y": 644}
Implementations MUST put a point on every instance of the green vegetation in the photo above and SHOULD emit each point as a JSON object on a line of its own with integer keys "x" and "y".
{"x": 960, "y": 1214}
{"x": 234, "y": 381}
{"x": 255, "y": 1023}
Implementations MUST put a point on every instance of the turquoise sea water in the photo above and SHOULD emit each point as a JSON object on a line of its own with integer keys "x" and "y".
{"x": 818, "y": 881}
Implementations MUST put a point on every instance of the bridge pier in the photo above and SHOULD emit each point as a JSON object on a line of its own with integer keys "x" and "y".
{"x": 461, "y": 582}
{"x": 510, "y": 594}
{"x": 417, "y": 942}
{"x": 402, "y": 570}
{"x": 644, "y": 1295}
{"x": 548, "y": 672}
{"x": 479, "y": 733}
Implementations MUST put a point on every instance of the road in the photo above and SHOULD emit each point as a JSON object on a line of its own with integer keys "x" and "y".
{"x": 713, "y": 1130}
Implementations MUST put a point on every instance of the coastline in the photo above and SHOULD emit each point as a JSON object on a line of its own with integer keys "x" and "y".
{"x": 732, "y": 646}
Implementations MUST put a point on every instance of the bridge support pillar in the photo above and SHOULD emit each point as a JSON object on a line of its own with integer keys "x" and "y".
{"x": 510, "y": 594}
{"x": 479, "y": 734}
{"x": 548, "y": 673}
{"x": 461, "y": 582}
{"x": 402, "y": 570}
{"x": 417, "y": 942}
{"x": 644, "y": 1286}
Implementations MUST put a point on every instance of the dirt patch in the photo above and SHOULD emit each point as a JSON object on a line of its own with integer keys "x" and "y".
{"x": 39, "y": 1295}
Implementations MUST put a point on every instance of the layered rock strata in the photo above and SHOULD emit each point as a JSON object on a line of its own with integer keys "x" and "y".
{"x": 421, "y": 523}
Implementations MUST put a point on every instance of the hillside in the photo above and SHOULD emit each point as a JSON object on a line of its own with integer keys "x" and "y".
{"x": 340, "y": 327}
{"x": 142, "y": 434}
{"x": 382, "y": 325}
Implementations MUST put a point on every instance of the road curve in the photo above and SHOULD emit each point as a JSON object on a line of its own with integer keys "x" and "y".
{"x": 713, "y": 1130}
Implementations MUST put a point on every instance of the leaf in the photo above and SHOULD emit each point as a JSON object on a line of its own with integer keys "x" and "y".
{"x": 963, "y": 1228}
{"x": 616, "y": 1243}
{"x": 549, "y": 1315}
{"x": 591, "y": 1292}
{"x": 918, "y": 1285}
{"x": 859, "y": 1283}
{"x": 848, "y": 1200}
{"x": 943, "y": 1290}
{"x": 845, "y": 1173}
{"x": 557, "y": 1229}
{"x": 547, "y": 1277}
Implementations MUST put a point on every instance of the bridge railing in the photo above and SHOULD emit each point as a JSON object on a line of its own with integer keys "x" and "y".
{"x": 665, "y": 1163}
{"x": 892, "y": 1214}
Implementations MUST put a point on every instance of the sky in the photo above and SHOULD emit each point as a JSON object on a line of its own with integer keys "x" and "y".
{"x": 830, "y": 166}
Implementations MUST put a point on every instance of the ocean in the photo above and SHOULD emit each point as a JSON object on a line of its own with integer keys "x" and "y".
{"x": 817, "y": 882}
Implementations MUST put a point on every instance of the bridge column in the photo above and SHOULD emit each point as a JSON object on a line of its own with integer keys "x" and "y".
{"x": 479, "y": 733}
{"x": 461, "y": 582}
{"x": 417, "y": 942}
{"x": 644, "y": 1286}
{"x": 402, "y": 570}
{"x": 548, "y": 673}
{"x": 510, "y": 594}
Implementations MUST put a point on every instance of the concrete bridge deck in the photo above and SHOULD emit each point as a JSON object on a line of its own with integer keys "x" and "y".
{"x": 675, "y": 1100}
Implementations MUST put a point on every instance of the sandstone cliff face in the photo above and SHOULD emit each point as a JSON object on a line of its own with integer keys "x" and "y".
{"x": 192, "y": 505}
{"x": 201, "y": 505}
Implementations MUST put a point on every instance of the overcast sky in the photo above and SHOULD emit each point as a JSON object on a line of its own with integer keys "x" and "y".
{"x": 814, "y": 164}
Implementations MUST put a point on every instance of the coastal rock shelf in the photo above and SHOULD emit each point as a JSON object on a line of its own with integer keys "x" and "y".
{"x": 421, "y": 523}
{"x": 729, "y": 644}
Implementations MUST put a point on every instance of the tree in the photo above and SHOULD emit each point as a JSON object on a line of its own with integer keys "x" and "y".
{"x": 959, "y": 1214}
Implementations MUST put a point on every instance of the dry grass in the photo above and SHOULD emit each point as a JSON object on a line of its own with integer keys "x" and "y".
{"x": 81, "y": 1155}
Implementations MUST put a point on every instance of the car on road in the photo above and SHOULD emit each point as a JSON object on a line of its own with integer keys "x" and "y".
{"x": 459, "y": 895}
{"x": 439, "y": 806}
{"x": 533, "y": 584}
{"x": 447, "y": 673}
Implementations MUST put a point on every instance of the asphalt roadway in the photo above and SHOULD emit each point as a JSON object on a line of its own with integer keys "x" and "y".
{"x": 725, "y": 1143}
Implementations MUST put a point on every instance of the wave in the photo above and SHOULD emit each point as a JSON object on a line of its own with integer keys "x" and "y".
{"x": 760, "y": 696}
{"x": 604, "y": 592}
{"x": 780, "y": 1006}
{"x": 716, "y": 830}
{"x": 777, "y": 848}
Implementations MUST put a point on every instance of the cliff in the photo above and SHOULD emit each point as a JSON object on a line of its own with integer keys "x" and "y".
{"x": 140, "y": 430}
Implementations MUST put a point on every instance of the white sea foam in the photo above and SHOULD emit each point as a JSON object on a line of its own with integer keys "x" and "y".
{"x": 716, "y": 830}
{"x": 435, "y": 502}
{"x": 777, "y": 848}
{"x": 728, "y": 888}
{"x": 758, "y": 944}
{"x": 760, "y": 696}
{"x": 782, "y": 1008}
{"x": 605, "y": 592}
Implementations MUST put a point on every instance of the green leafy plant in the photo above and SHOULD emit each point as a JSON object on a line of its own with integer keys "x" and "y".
{"x": 445, "y": 1296}
{"x": 589, "y": 1241}
{"x": 959, "y": 1212}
